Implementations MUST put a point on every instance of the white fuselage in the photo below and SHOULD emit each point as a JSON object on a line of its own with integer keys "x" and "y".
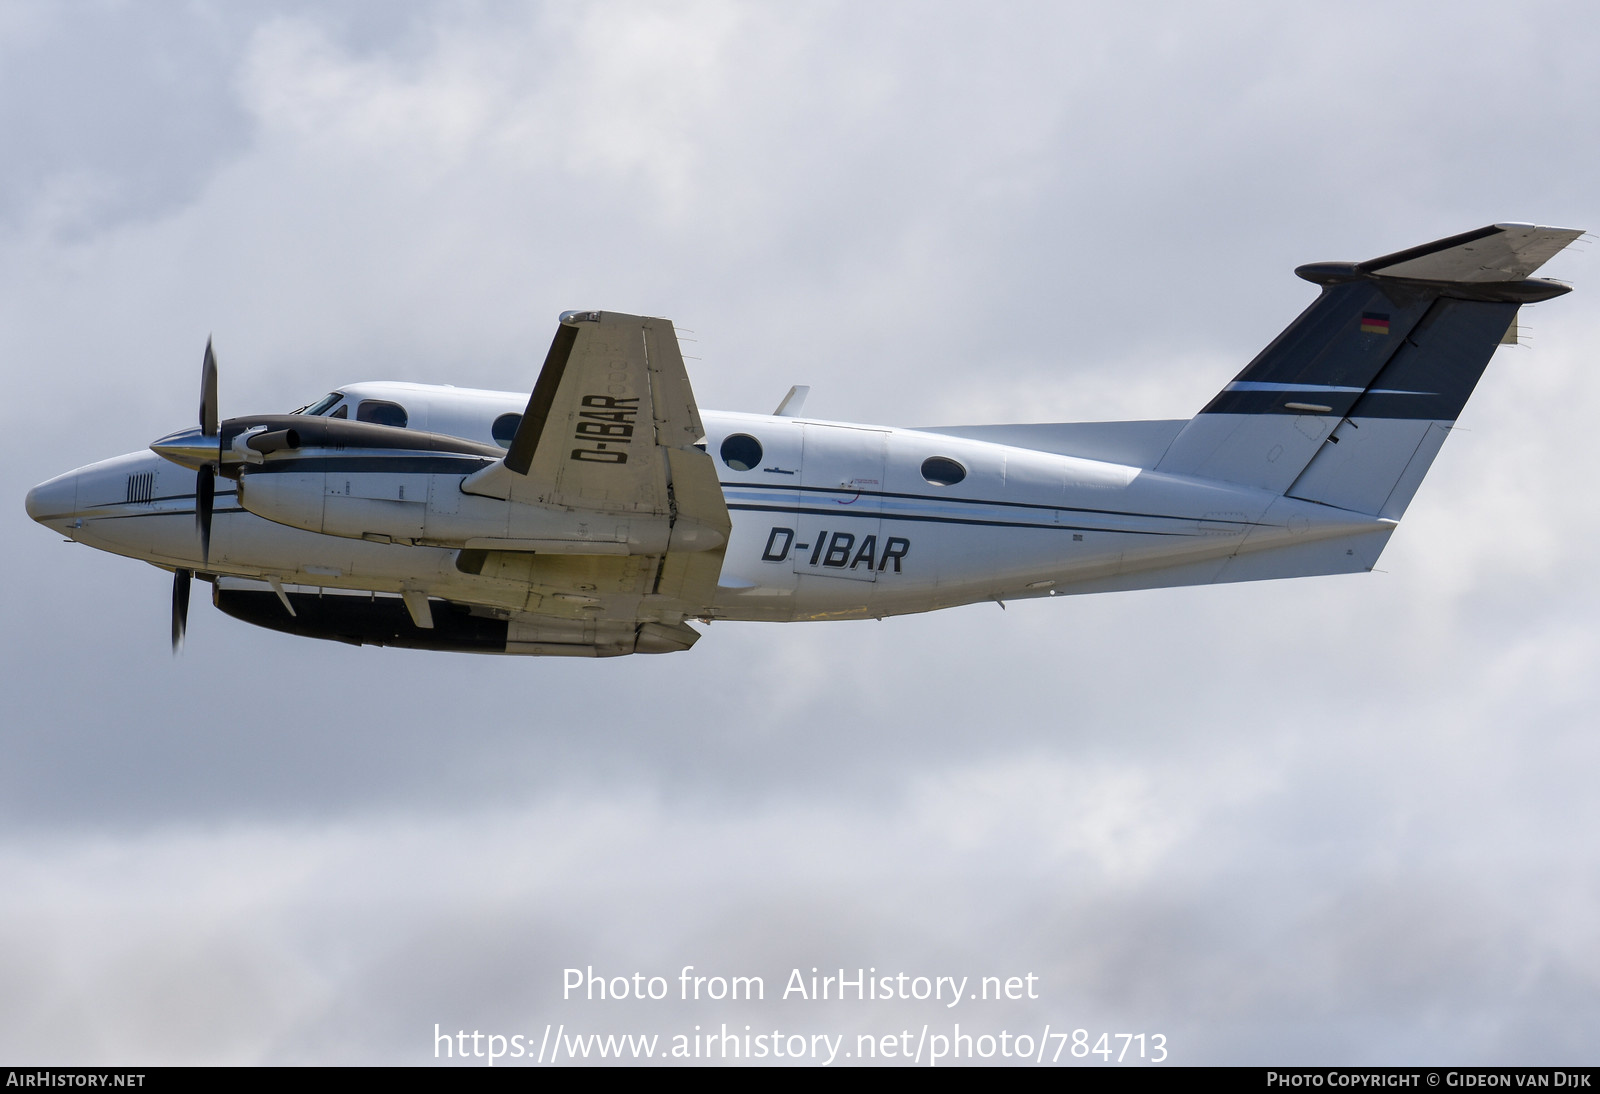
{"x": 832, "y": 521}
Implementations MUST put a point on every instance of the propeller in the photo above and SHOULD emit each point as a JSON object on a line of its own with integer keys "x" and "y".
{"x": 200, "y": 449}
{"x": 180, "y": 606}
{"x": 205, "y": 490}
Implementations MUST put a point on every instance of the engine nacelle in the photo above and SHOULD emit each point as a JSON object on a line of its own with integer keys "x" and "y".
{"x": 431, "y": 509}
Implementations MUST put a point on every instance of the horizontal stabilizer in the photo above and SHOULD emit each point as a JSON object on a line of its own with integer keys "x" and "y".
{"x": 1352, "y": 554}
{"x": 1500, "y": 252}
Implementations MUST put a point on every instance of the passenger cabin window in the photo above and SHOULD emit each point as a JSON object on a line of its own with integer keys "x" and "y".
{"x": 379, "y": 412}
{"x": 942, "y": 472}
{"x": 505, "y": 428}
{"x": 741, "y": 452}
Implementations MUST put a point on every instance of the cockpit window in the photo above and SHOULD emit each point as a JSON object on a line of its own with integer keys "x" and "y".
{"x": 379, "y": 412}
{"x": 322, "y": 405}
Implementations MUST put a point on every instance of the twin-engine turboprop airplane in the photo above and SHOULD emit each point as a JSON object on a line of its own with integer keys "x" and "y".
{"x": 597, "y": 516}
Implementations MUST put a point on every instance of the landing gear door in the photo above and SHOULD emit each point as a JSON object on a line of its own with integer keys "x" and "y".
{"x": 839, "y": 530}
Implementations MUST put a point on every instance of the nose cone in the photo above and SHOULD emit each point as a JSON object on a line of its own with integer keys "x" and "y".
{"x": 54, "y": 501}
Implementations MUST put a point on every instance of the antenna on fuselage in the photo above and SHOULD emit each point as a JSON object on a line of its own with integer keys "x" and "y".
{"x": 792, "y": 402}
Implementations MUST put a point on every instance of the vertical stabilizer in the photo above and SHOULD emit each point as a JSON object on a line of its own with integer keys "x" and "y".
{"x": 1349, "y": 405}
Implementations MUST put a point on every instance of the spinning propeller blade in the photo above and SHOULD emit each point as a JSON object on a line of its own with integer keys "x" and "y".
{"x": 205, "y": 493}
{"x": 205, "y": 488}
{"x": 208, "y": 393}
{"x": 180, "y": 606}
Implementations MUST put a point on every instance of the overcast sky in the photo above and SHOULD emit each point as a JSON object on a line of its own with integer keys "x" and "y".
{"x": 1335, "y": 820}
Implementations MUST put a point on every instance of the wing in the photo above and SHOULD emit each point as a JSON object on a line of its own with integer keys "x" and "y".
{"x": 611, "y": 429}
{"x": 611, "y": 406}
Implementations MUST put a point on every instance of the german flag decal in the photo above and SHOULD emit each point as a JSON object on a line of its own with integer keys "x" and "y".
{"x": 1374, "y": 323}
